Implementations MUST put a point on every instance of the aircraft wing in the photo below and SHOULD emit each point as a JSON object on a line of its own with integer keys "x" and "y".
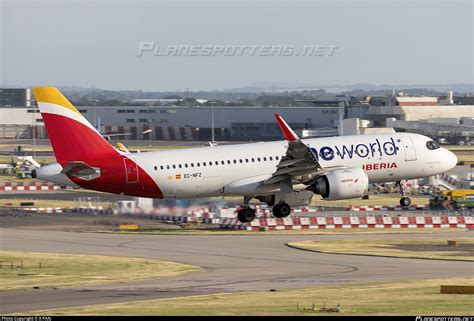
{"x": 299, "y": 162}
{"x": 118, "y": 134}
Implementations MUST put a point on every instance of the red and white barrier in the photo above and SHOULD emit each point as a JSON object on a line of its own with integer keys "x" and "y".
{"x": 371, "y": 208}
{"x": 44, "y": 209}
{"x": 32, "y": 187}
{"x": 91, "y": 210}
{"x": 351, "y": 222}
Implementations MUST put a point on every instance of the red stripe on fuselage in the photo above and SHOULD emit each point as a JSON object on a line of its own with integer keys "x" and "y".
{"x": 74, "y": 141}
{"x": 113, "y": 178}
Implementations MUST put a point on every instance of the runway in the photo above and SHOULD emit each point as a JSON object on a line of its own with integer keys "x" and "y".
{"x": 232, "y": 263}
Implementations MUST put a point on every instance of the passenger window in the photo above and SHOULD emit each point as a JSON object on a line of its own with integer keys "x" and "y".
{"x": 198, "y": 164}
{"x": 271, "y": 158}
{"x": 264, "y": 159}
{"x": 186, "y": 165}
{"x": 432, "y": 145}
{"x": 192, "y": 164}
{"x": 235, "y": 161}
{"x": 258, "y": 159}
{"x": 240, "y": 161}
{"x": 222, "y": 162}
{"x": 167, "y": 166}
{"x": 174, "y": 166}
{"x": 156, "y": 167}
{"x": 228, "y": 161}
{"x": 162, "y": 168}
{"x": 246, "y": 160}
{"x": 253, "y": 160}
{"x": 217, "y": 163}
{"x": 276, "y": 157}
{"x": 180, "y": 166}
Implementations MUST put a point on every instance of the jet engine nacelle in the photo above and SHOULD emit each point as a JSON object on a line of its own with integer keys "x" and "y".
{"x": 341, "y": 184}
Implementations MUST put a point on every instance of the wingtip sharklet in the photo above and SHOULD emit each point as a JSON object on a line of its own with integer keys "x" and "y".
{"x": 289, "y": 134}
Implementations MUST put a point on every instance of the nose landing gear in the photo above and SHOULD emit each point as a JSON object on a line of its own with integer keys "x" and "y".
{"x": 404, "y": 201}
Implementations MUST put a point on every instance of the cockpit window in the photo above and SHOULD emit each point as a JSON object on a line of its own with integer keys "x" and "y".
{"x": 432, "y": 145}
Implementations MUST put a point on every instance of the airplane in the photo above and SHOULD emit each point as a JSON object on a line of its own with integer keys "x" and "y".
{"x": 282, "y": 174}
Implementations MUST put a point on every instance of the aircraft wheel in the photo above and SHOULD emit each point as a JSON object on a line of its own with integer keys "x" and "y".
{"x": 246, "y": 215}
{"x": 281, "y": 210}
{"x": 405, "y": 201}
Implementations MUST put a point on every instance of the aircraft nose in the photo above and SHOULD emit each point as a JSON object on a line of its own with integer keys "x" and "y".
{"x": 451, "y": 159}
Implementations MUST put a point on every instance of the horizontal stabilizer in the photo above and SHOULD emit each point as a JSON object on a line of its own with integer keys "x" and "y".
{"x": 122, "y": 148}
{"x": 80, "y": 170}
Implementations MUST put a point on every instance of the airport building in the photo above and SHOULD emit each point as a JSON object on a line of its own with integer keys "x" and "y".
{"x": 179, "y": 123}
{"x": 14, "y": 97}
{"x": 447, "y": 118}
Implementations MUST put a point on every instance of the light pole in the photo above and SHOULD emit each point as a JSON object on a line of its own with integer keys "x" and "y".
{"x": 212, "y": 124}
{"x": 94, "y": 103}
{"x": 341, "y": 118}
{"x": 149, "y": 131}
{"x": 33, "y": 129}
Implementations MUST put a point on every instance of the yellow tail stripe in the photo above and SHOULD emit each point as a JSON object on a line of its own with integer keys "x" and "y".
{"x": 53, "y": 95}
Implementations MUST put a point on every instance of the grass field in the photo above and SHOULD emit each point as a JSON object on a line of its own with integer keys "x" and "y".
{"x": 408, "y": 297}
{"x": 426, "y": 248}
{"x": 464, "y": 153}
{"x": 37, "y": 203}
{"x": 378, "y": 199}
{"x": 59, "y": 270}
{"x": 15, "y": 180}
{"x": 13, "y": 202}
{"x": 374, "y": 199}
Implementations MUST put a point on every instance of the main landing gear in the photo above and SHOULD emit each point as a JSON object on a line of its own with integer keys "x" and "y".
{"x": 246, "y": 214}
{"x": 404, "y": 201}
{"x": 281, "y": 210}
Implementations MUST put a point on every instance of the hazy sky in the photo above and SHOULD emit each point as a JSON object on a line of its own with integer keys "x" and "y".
{"x": 95, "y": 43}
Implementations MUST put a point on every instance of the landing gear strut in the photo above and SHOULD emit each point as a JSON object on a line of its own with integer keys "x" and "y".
{"x": 281, "y": 210}
{"x": 404, "y": 201}
{"x": 246, "y": 214}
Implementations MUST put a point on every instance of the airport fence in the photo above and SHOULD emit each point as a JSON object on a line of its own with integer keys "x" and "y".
{"x": 369, "y": 222}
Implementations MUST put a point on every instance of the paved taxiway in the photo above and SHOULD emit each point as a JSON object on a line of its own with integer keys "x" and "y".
{"x": 232, "y": 263}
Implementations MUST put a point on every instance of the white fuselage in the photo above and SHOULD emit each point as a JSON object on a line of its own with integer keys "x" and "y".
{"x": 239, "y": 169}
